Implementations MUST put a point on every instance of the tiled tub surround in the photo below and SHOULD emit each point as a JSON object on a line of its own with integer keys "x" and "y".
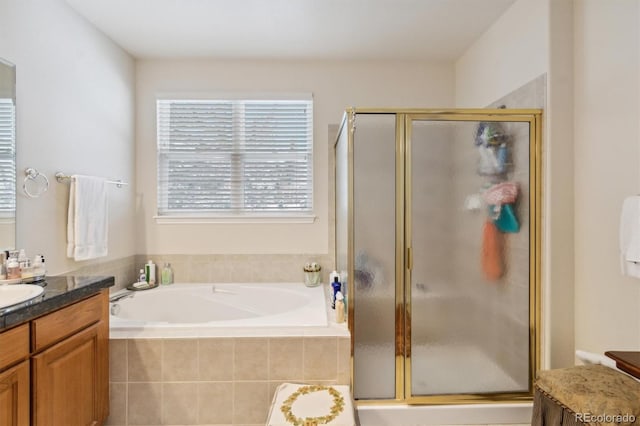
{"x": 238, "y": 268}
{"x": 230, "y": 268}
{"x": 215, "y": 381}
{"x": 180, "y": 374}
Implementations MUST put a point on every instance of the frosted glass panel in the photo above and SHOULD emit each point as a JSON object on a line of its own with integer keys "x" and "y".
{"x": 470, "y": 241}
{"x": 342, "y": 202}
{"x": 374, "y": 249}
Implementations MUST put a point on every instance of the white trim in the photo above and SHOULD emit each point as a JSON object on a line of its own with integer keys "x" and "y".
{"x": 232, "y": 96}
{"x": 186, "y": 220}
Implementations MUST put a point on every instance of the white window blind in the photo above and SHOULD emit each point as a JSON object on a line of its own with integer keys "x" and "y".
{"x": 7, "y": 158}
{"x": 235, "y": 157}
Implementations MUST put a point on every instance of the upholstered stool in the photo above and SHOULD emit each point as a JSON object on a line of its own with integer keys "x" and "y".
{"x": 312, "y": 405}
{"x": 587, "y": 394}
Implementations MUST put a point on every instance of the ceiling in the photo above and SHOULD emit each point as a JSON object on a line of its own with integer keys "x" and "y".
{"x": 294, "y": 29}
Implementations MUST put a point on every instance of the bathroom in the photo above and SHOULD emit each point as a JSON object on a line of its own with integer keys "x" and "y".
{"x": 104, "y": 125}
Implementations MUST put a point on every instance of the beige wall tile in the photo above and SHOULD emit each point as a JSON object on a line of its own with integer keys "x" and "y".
{"x": 273, "y": 387}
{"x": 117, "y": 404}
{"x": 251, "y": 359}
{"x": 344, "y": 360}
{"x": 199, "y": 270}
{"x": 117, "y": 360}
{"x": 250, "y": 402}
{"x": 320, "y": 358}
{"x": 144, "y": 360}
{"x": 285, "y": 358}
{"x": 216, "y": 359}
{"x": 215, "y": 403}
{"x": 144, "y": 403}
{"x": 179, "y": 402}
{"x": 180, "y": 360}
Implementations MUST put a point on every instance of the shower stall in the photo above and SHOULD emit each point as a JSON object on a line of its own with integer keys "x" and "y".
{"x": 438, "y": 243}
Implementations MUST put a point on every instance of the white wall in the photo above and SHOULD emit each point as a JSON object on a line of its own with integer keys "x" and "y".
{"x": 607, "y": 168}
{"x": 508, "y": 55}
{"x": 335, "y": 86}
{"x": 558, "y": 192}
{"x": 75, "y": 113}
{"x": 532, "y": 38}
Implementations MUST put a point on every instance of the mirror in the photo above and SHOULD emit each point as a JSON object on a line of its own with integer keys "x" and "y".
{"x": 7, "y": 155}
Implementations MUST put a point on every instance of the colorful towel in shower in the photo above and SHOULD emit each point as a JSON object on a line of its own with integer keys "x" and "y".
{"x": 506, "y": 220}
{"x": 491, "y": 256}
{"x": 501, "y": 193}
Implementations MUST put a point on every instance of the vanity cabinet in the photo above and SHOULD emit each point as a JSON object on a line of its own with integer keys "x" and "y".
{"x": 63, "y": 379}
{"x": 14, "y": 376}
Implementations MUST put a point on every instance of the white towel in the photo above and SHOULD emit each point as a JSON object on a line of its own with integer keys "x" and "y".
{"x": 87, "y": 225}
{"x": 630, "y": 236}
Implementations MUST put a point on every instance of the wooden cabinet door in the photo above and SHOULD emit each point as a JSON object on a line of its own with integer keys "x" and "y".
{"x": 70, "y": 380}
{"x": 14, "y": 396}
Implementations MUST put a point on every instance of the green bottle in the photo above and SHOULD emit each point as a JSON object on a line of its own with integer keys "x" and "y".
{"x": 167, "y": 274}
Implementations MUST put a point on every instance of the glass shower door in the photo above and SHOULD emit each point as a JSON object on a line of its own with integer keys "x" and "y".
{"x": 374, "y": 250}
{"x": 468, "y": 278}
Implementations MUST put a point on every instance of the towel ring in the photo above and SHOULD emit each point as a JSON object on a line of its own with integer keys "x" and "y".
{"x": 32, "y": 174}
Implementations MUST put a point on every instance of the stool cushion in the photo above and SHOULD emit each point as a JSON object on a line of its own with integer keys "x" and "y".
{"x": 592, "y": 391}
{"x": 311, "y": 405}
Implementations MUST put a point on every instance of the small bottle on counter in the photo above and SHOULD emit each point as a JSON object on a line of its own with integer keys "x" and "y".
{"x": 150, "y": 272}
{"x": 335, "y": 285}
{"x": 39, "y": 269}
{"x": 13, "y": 268}
{"x": 142, "y": 278}
{"x": 339, "y": 308}
{"x": 26, "y": 270}
{"x": 167, "y": 274}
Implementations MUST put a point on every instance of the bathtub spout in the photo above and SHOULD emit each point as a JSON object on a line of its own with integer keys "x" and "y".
{"x": 118, "y": 297}
{"x": 219, "y": 290}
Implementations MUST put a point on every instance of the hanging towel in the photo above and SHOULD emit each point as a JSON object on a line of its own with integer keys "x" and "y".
{"x": 87, "y": 223}
{"x": 506, "y": 220}
{"x": 491, "y": 256}
{"x": 630, "y": 236}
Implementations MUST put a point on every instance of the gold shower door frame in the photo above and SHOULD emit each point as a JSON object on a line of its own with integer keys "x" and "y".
{"x": 403, "y": 256}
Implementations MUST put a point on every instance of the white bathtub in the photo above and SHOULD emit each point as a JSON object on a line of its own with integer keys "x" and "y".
{"x": 213, "y": 310}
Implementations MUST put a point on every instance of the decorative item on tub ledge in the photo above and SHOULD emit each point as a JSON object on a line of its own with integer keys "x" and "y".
{"x": 312, "y": 274}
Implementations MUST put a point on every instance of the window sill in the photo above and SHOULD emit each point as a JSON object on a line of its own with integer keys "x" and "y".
{"x": 172, "y": 220}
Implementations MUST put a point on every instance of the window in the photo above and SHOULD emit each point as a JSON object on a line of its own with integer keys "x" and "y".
{"x": 235, "y": 157}
{"x": 7, "y": 159}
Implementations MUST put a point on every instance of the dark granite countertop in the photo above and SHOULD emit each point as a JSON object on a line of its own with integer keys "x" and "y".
{"x": 59, "y": 291}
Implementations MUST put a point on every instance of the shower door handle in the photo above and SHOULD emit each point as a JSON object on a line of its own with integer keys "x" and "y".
{"x": 409, "y": 258}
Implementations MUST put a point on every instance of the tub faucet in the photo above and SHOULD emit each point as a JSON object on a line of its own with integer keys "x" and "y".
{"x": 118, "y": 297}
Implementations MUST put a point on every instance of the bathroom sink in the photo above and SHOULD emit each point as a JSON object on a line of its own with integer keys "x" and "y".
{"x": 12, "y": 294}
